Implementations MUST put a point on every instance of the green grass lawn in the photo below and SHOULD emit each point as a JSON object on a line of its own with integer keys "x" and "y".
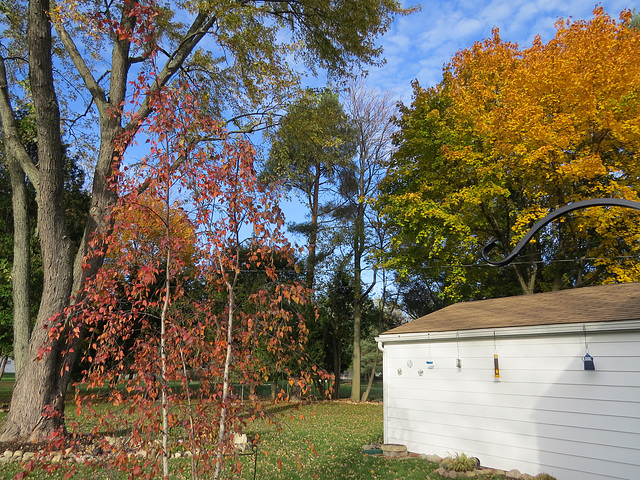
{"x": 6, "y": 387}
{"x": 317, "y": 441}
{"x": 321, "y": 440}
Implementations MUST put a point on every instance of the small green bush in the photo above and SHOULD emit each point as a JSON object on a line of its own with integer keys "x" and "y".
{"x": 545, "y": 476}
{"x": 460, "y": 463}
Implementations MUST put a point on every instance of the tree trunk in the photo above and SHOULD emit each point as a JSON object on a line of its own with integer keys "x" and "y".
{"x": 526, "y": 286}
{"x": 365, "y": 395}
{"x": 357, "y": 320}
{"x": 337, "y": 365}
{"x": 43, "y": 383}
{"x": 163, "y": 363}
{"x": 225, "y": 382}
{"x": 21, "y": 266}
{"x": 3, "y": 365}
{"x": 358, "y": 251}
{"x": 313, "y": 234}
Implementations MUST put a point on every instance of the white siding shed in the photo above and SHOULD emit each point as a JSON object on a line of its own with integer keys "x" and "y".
{"x": 545, "y": 412}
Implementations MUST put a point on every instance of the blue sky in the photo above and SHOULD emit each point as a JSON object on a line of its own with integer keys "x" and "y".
{"x": 417, "y": 46}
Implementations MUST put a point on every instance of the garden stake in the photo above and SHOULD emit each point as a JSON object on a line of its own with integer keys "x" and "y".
{"x": 496, "y": 367}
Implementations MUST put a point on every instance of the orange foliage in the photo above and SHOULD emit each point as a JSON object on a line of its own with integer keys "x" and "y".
{"x": 143, "y": 224}
{"x": 511, "y": 134}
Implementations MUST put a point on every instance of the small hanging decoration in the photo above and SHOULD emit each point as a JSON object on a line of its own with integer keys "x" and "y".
{"x": 496, "y": 366}
{"x": 588, "y": 362}
{"x": 587, "y": 359}
{"x": 430, "y": 364}
{"x": 458, "y": 361}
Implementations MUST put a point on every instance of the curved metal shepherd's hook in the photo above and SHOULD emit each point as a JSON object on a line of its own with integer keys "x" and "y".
{"x": 540, "y": 224}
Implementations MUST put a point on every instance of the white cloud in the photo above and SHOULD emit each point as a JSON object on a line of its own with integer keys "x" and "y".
{"x": 420, "y": 44}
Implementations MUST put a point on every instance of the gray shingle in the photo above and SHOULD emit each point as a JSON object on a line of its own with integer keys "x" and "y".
{"x": 604, "y": 303}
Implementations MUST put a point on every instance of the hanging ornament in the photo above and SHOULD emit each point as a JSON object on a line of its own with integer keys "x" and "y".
{"x": 496, "y": 366}
{"x": 587, "y": 359}
{"x": 430, "y": 364}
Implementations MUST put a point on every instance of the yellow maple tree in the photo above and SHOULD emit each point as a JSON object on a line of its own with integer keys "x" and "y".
{"x": 511, "y": 134}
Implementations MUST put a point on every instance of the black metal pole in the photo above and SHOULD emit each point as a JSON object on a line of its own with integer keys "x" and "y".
{"x": 540, "y": 224}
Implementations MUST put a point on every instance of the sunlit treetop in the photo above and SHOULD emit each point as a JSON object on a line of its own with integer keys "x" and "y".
{"x": 513, "y": 133}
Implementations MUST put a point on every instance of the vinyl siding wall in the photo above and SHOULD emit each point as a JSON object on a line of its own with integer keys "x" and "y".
{"x": 544, "y": 414}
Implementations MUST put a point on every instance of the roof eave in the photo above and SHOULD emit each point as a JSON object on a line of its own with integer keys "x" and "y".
{"x": 534, "y": 330}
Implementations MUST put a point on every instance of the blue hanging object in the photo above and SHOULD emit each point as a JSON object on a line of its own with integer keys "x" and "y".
{"x": 588, "y": 362}
{"x": 587, "y": 359}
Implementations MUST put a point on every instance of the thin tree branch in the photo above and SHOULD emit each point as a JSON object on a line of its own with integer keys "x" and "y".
{"x": 97, "y": 92}
{"x": 10, "y": 134}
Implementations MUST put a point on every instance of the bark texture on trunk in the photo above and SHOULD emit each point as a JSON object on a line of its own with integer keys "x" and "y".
{"x": 21, "y": 271}
{"x": 365, "y": 395}
{"x": 358, "y": 253}
{"x": 337, "y": 364}
{"x": 43, "y": 380}
{"x": 42, "y": 383}
{"x": 3, "y": 365}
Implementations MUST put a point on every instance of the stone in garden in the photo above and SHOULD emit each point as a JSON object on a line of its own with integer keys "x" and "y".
{"x": 57, "y": 458}
{"x": 239, "y": 439}
{"x": 28, "y": 456}
{"x": 241, "y": 442}
{"x": 8, "y": 453}
{"x": 393, "y": 450}
{"x": 110, "y": 440}
{"x": 434, "y": 458}
{"x": 17, "y": 454}
{"x": 514, "y": 474}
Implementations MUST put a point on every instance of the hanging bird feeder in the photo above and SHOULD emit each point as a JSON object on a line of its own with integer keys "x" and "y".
{"x": 496, "y": 366}
{"x": 587, "y": 359}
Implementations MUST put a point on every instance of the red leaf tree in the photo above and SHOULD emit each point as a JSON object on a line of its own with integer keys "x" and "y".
{"x": 162, "y": 313}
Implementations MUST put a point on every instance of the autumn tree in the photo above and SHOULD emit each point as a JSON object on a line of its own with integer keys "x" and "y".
{"x": 91, "y": 73}
{"x": 509, "y": 135}
{"x": 207, "y": 222}
{"x": 370, "y": 120}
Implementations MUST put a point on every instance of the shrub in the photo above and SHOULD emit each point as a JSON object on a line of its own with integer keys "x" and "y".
{"x": 460, "y": 463}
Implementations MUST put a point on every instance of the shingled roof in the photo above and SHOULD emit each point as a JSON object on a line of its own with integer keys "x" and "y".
{"x": 604, "y": 303}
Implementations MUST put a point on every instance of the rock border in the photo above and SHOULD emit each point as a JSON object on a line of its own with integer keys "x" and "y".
{"x": 446, "y": 473}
